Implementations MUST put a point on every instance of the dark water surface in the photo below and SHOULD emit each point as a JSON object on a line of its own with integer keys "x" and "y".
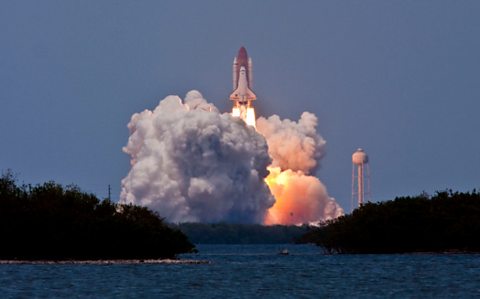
{"x": 249, "y": 271}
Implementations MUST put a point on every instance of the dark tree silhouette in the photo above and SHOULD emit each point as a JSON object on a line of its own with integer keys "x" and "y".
{"x": 49, "y": 221}
{"x": 448, "y": 221}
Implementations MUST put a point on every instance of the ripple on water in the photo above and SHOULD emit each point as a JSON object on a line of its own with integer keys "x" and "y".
{"x": 245, "y": 271}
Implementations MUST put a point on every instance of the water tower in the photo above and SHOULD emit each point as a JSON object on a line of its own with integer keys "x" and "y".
{"x": 360, "y": 176}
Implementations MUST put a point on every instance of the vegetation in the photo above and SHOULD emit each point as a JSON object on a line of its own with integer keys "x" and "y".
{"x": 52, "y": 222}
{"x": 224, "y": 233}
{"x": 446, "y": 222}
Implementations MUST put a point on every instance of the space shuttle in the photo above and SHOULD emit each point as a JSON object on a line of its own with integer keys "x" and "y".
{"x": 242, "y": 94}
{"x": 242, "y": 78}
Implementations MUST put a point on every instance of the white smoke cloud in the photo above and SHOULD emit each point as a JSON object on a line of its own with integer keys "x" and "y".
{"x": 192, "y": 164}
{"x": 293, "y": 145}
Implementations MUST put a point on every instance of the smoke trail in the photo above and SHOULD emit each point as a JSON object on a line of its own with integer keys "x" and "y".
{"x": 192, "y": 164}
{"x": 296, "y": 149}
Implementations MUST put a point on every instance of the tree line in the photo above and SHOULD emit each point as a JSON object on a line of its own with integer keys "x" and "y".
{"x": 49, "y": 221}
{"x": 446, "y": 222}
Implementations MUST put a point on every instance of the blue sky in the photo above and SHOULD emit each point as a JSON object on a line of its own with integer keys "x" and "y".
{"x": 397, "y": 78}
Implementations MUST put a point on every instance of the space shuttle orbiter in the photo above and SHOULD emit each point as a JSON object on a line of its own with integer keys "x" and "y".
{"x": 243, "y": 94}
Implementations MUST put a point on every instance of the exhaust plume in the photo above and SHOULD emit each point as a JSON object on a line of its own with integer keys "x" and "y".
{"x": 296, "y": 148}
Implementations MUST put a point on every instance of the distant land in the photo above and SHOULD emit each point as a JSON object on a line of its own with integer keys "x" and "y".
{"x": 52, "y": 222}
{"x": 226, "y": 233}
{"x": 446, "y": 222}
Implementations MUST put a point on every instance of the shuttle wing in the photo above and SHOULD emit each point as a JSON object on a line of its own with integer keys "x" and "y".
{"x": 243, "y": 95}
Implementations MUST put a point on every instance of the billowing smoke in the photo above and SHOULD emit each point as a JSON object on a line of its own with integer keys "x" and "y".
{"x": 192, "y": 164}
{"x": 293, "y": 145}
{"x": 296, "y": 149}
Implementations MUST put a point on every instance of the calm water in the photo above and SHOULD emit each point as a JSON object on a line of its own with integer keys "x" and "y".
{"x": 248, "y": 271}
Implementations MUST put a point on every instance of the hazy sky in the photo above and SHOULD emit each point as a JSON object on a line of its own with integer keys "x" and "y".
{"x": 397, "y": 78}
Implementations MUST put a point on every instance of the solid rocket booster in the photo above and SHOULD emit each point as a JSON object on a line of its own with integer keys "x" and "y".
{"x": 242, "y": 94}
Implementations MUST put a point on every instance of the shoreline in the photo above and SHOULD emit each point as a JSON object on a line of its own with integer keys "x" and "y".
{"x": 107, "y": 262}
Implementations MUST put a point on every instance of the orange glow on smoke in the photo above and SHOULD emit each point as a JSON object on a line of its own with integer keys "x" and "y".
{"x": 296, "y": 196}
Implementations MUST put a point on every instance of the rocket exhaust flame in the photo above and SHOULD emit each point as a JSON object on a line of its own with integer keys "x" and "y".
{"x": 247, "y": 114}
{"x": 250, "y": 119}
{"x": 235, "y": 112}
